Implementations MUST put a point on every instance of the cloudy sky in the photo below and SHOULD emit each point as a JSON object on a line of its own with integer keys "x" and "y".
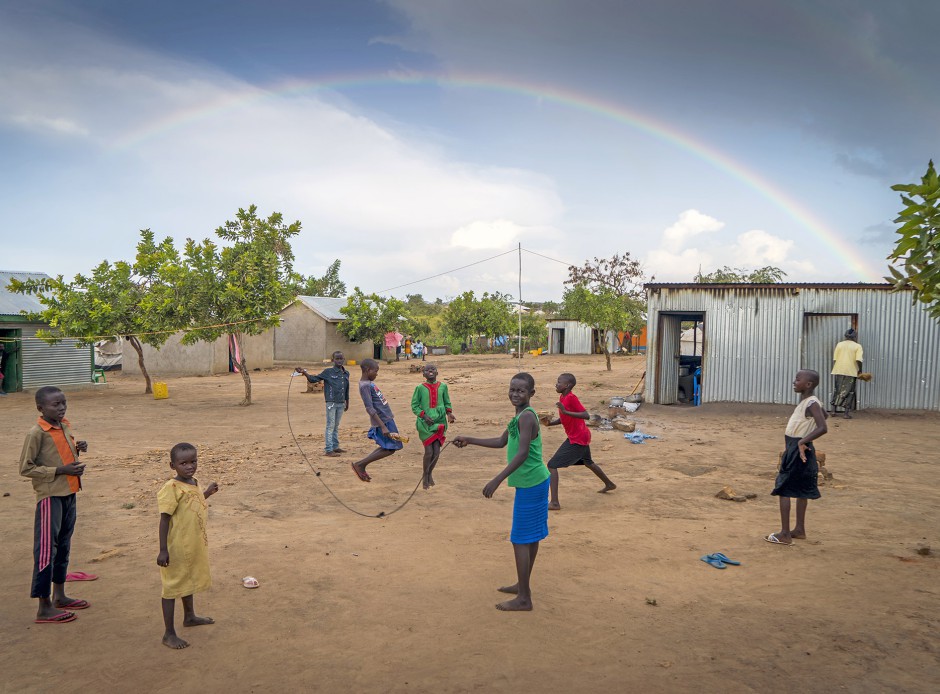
{"x": 415, "y": 137}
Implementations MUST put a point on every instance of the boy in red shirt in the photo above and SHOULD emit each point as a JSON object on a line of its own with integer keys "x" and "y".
{"x": 576, "y": 450}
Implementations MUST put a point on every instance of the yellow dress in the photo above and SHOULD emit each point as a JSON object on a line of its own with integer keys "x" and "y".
{"x": 187, "y": 542}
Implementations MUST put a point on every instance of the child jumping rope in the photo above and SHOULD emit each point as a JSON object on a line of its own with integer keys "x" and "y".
{"x": 431, "y": 405}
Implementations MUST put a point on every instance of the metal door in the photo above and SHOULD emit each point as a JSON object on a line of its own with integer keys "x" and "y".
{"x": 670, "y": 328}
{"x": 821, "y": 333}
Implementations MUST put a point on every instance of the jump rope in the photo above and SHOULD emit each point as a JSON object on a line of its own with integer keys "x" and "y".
{"x": 316, "y": 472}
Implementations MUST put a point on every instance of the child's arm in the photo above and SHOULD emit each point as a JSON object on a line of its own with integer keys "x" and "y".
{"x": 821, "y": 428}
{"x": 29, "y": 467}
{"x": 528, "y": 430}
{"x": 163, "y": 558}
{"x": 210, "y": 490}
{"x": 365, "y": 392}
{"x": 578, "y": 413}
{"x": 416, "y": 407}
{"x": 461, "y": 441}
{"x": 310, "y": 377}
{"x": 445, "y": 398}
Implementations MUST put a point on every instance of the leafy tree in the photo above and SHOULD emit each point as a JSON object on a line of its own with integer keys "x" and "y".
{"x": 237, "y": 289}
{"x": 604, "y": 310}
{"x": 467, "y": 316}
{"x": 116, "y": 300}
{"x": 621, "y": 274}
{"x": 370, "y": 316}
{"x": 917, "y": 250}
{"x": 534, "y": 330}
{"x": 328, "y": 285}
{"x": 729, "y": 275}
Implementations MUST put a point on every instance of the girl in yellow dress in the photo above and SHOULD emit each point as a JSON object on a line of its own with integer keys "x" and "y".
{"x": 184, "y": 545}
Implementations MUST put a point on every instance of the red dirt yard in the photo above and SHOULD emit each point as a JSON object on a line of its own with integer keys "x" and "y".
{"x": 406, "y": 603}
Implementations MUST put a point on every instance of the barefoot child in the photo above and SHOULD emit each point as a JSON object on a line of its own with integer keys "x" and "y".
{"x": 576, "y": 450}
{"x": 528, "y": 474}
{"x": 798, "y": 467}
{"x": 184, "y": 547}
{"x": 336, "y": 393}
{"x": 383, "y": 431}
{"x": 431, "y": 405}
{"x": 50, "y": 460}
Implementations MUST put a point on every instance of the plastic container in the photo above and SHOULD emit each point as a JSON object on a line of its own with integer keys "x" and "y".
{"x": 160, "y": 391}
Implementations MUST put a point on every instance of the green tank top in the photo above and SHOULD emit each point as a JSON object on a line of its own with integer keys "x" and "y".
{"x": 533, "y": 470}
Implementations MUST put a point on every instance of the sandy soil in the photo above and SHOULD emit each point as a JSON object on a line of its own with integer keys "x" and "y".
{"x": 406, "y": 603}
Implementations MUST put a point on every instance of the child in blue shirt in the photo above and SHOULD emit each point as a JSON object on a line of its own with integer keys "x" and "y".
{"x": 383, "y": 430}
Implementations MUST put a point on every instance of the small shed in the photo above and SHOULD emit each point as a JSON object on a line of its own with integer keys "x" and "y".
{"x": 566, "y": 336}
{"x": 755, "y": 337}
{"x": 309, "y": 333}
{"x": 27, "y": 361}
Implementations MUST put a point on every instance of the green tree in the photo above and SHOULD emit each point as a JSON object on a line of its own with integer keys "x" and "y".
{"x": 467, "y": 316}
{"x": 534, "y": 330}
{"x": 917, "y": 251}
{"x": 604, "y": 310}
{"x": 236, "y": 289}
{"x": 328, "y": 285}
{"x": 116, "y": 300}
{"x": 729, "y": 275}
{"x": 621, "y": 274}
{"x": 370, "y": 316}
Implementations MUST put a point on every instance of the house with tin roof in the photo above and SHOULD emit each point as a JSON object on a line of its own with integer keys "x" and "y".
{"x": 309, "y": 333}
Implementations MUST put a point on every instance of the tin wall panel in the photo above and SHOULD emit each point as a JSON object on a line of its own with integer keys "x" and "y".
{"x": 754, "y": 338}
{"x": 53, "y": 365}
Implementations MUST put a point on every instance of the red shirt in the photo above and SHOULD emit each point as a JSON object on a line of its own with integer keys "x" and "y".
{"x": 576, "y": 429}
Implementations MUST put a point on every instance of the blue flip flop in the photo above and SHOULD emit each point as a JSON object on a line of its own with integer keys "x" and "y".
{"x": 712, "y": 560}
{"x": 721, "y": 557}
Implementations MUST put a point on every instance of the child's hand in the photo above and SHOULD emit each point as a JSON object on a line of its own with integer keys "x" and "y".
{"x": 81, "y": 446}
{"x": 460, "y": 441}
{"x": 802, "y": 447}
{"x": 300, "y": 370}
{"x": 451, "y": 418}
{"x": 163, "y": 559}
{"x": 491, "y": 487}
{"x": 210, "y": 490}
{"x": 75, "y": 469}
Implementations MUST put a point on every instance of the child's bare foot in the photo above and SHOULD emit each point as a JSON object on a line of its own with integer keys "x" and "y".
{"x": 174, "y": 641}
{"x": 846, "y": 416}
{"x": 196, "y": 621}
{"x": 430, "y": 479}
{"x": 513, "y": 589}
{"x": 609, "y": 487}
{"x": 424, "y": 482}
{"x": 798, "y": 535}
{"x": 554, "y": 506}
{"x": 517, "y": 605}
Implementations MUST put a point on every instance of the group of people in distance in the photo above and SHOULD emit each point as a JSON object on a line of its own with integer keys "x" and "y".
{"x": 50, "y": 459}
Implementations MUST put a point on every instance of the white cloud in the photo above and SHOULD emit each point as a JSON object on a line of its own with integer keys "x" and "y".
{"x": 757, "y": 248}
{"x": 482, "y": 234}
{"x": 690, "y": 224}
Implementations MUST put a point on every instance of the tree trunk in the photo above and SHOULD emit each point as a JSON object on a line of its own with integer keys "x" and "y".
{"x": 607, "y": 355}
{"x": 135, "y": 343}
{"x": 243, "y": 368}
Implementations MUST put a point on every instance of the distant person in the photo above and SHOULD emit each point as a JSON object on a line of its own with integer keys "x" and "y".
{"x": 336, "y": 394}
{"x": 407, "y": 348}
{"x": 798, "y": 467}
{"x": 847, "y": 365}
{"x": 184, "y": 546}
{"x": 50, "y": 460}
{"x": 383, "y": 431}
{"x": 391, "y": 342}
{"x": 527, "y": 473}
{"x": 418, "y": 349}
{"x": 431, "y": 405}
{"x": 576, "y": 450}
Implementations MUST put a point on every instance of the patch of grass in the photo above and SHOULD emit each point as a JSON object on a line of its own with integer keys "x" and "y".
{"x": 128, "y": 506}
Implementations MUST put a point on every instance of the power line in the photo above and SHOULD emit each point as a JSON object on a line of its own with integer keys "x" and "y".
{"x": 561, "y": 262}
{"x": 446, "y": 272}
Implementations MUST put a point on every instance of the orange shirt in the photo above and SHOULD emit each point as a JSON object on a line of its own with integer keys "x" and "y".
{"x": 46, "y": 448}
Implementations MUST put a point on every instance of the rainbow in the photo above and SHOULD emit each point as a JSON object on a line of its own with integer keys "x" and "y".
{"x": 839, "y": 246}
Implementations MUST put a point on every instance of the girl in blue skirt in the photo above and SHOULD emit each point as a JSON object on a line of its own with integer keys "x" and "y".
{"x": 527, "y": 473}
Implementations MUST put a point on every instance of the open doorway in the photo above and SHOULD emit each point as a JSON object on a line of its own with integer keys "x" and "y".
{"x": 10, "y": 364}
{"x": 558, "y": 341}
{"x": 680, "y": 358}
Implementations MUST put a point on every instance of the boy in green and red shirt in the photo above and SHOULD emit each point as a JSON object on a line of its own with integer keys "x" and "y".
{"x": 50, "y": 460}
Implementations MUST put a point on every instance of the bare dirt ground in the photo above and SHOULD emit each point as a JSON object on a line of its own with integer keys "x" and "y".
{"x": 406, "y": 603}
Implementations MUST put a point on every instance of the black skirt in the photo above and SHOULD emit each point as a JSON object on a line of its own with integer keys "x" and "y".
{"x": 797, "y": 479}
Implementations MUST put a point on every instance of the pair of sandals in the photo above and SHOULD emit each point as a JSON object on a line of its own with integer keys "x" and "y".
{"x": 719, "y": 560}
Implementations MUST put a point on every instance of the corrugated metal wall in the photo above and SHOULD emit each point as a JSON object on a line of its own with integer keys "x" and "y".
{"x": 53, "y": 365}
{"x": 578, "y": 337}
{"x": 756, "y": 338}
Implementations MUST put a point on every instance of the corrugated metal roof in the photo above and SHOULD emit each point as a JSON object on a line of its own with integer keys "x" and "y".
{"x": 326, "y": 306}
{"x": 710, "y": 286}
{"x": 14, "y": 304}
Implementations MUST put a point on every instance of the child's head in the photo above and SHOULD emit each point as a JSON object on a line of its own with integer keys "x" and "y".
{"x": 521, "y": 389}
{"x": 338, "y": 359}
{"x": 50, "y": 401}
{"x": 565, "y": 382}
{"x": 430, "y": 372}
{"x": 805, "y": 381}
{"x": 183, "y": 460}
{"x": 370, "y": 369}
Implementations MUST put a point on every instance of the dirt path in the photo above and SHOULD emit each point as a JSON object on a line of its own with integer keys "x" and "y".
{"x": 405, "y": 603}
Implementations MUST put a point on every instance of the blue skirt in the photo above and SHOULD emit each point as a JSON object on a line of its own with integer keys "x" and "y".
{"x": 530, "y": 514}
{"x": 382, "y": 441}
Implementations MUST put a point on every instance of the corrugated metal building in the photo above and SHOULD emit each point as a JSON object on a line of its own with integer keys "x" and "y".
{"x": 757, "y": 336}
{"x": 572, "y": 337}
{"x": 27, "y": 361}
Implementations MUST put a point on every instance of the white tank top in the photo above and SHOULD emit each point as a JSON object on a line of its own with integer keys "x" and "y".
{"x": 800, "y": 425}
